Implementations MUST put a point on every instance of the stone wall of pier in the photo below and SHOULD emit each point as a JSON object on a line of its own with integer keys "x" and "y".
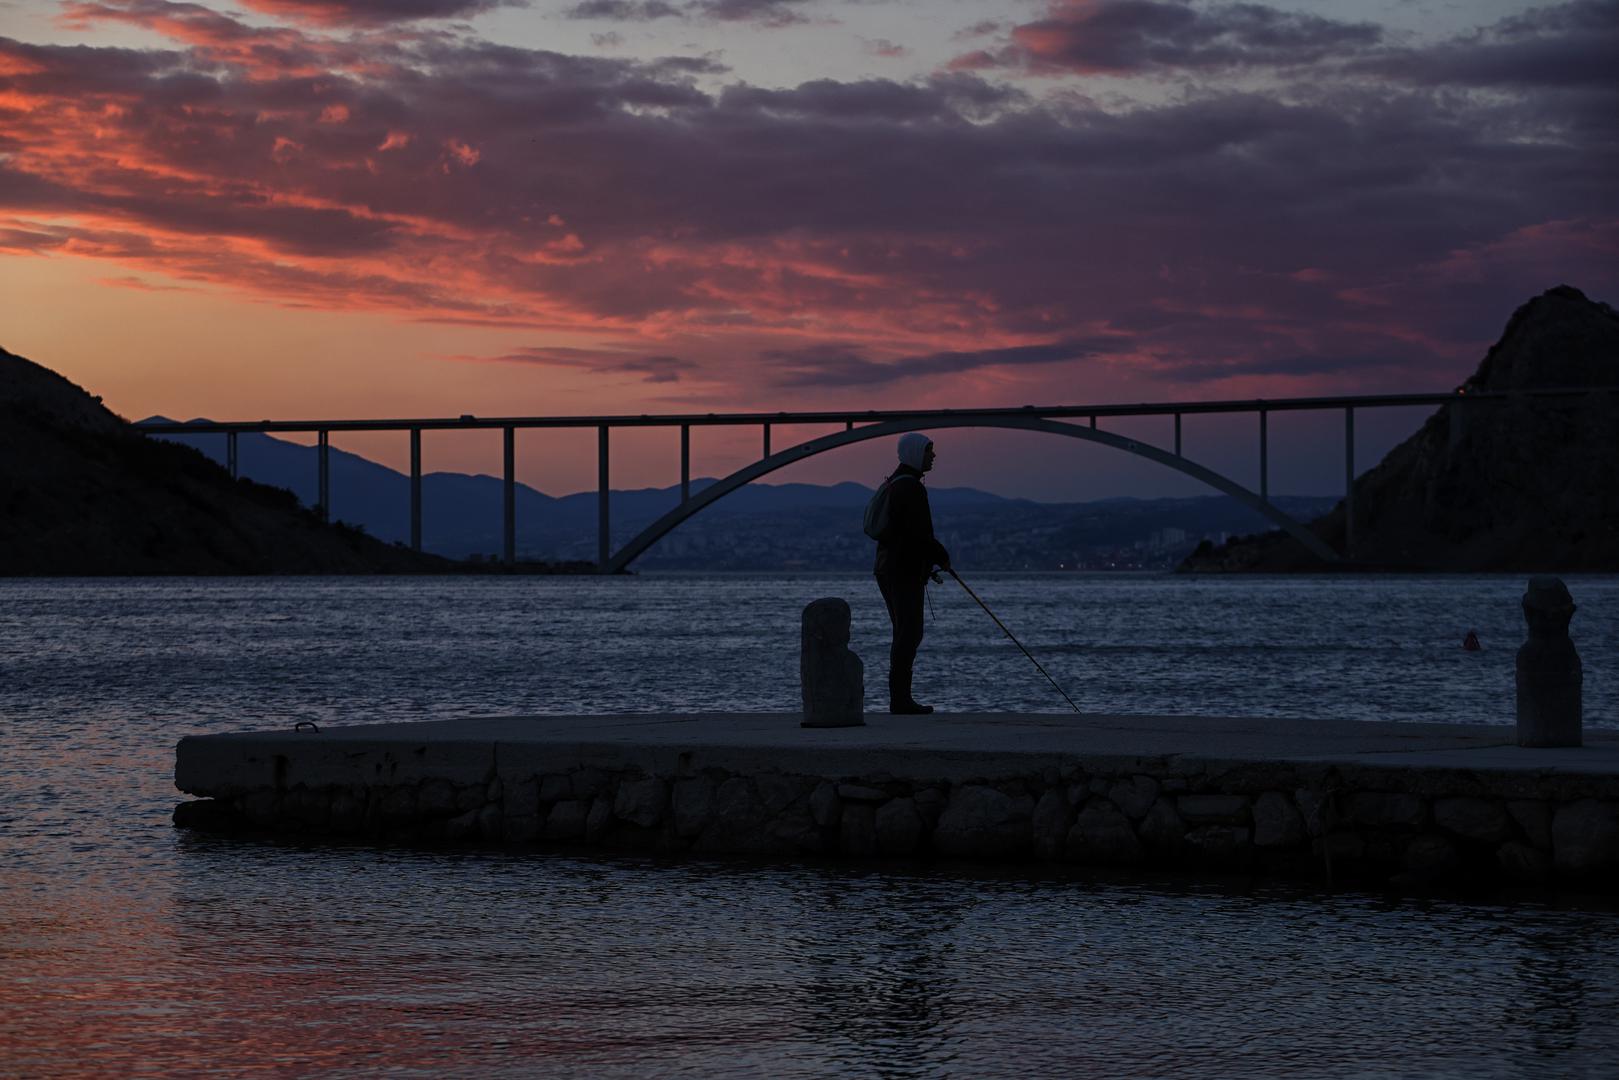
{"x": 1319, "y": 821}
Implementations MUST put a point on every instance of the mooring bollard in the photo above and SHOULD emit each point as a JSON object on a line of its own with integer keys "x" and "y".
{"x": 1549, "y": 671}
{"x": 834, "y": 679}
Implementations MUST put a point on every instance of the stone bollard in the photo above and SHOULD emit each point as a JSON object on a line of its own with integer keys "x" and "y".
{"x": 834, "y": 679}
{"x": 1549, "y": 672}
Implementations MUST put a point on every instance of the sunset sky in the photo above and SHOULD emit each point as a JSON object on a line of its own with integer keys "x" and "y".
{"x": 341, "y": 208}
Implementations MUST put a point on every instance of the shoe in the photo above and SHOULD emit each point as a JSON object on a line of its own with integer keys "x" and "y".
{"x": 909, "y": 708}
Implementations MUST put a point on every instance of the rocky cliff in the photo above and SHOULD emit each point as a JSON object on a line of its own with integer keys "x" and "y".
{"x": 83, "y": 493}
{"x": 1524, "y": 484}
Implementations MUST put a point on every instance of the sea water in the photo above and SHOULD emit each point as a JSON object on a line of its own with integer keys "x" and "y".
{"x": 127, "y": 947}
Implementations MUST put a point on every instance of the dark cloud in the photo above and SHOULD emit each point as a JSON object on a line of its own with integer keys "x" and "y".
{"x": 653, "y": 369}
{"x": 623, "y": 10}
{"x": 1225, "y": 233}
{"x": 375, "y": 12}
{"x": 1131, "y": 37}
{"x": 1573, "y": 45}
{"x": 848, "y": 366}
{"x": 769, "y": 13}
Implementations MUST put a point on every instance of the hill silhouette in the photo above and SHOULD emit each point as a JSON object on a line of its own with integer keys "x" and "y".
{"x": 83, "y": 493}
{"x": 1524, "y": 484}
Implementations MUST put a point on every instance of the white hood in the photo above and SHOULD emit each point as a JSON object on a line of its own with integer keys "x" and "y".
{"x": 913, "y": 446}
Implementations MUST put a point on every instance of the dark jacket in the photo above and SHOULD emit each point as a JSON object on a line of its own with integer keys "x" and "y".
{"x": 911, "y": 551}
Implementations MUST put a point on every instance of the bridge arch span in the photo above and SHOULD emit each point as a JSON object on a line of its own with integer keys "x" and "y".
{"x": 765, "y": 466}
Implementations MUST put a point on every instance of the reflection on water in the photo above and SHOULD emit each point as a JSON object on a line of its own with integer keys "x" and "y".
{"x": 127, "y": 948}
{"x": 304, "y": 958}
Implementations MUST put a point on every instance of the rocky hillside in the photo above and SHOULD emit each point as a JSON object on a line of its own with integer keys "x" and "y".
{"x": 82, "y": 493}
{"x": 1529, "y": 484}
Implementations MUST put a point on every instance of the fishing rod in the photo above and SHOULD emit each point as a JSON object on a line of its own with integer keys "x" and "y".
{"x": 1015, "y": 641}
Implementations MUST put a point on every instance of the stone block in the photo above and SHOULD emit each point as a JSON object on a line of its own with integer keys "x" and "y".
{"x": 1052, "y": 819}
{"x": 861, "y": 793}
{"x": 982, "y": 821}
{"x": 930, "y": 803}
{"x": 857, "y": 831}
{"x": 566, "y": 821}
{"x": 599, "y": 817}
{"x": 1484, "y": 820}
{"x": 1585, "y": 836}
{"x": 899, "y": 827}
{"x": 1385, "y": 808}
{"x": 308, "y": 807}
{"x": 397, "y": 805}
{"x": 490, "y": 821}
{"x": 692, "y": 804}
{"x": 521, "y": 798}
{"x": 1523, "y": 863}
{"x": 1277, "y": 824}
{"x": 778, "y": 791}
{"x": 348, "y": 810}
{"x": 469, "y": 796}
{"x": 825, "y": 806}
{"x": 738, "y": 822}
{"x": 1219, "y": 845}
{"x": 495, "y": 792}
{"x": 436, "y": 798}
{"x": 1101, "y": 835}
{"x": 554, "y": 788}
{"x": 1134, "y": 796}
{"x": 463, "y": 826}
{"x": 1212, "y": 809}
{"x": 641, "y": 802}
{"x": 832, "y": 678}
{"x": 588, "y": 782}
{"x": 1162, "y": 831}
{"x": 1431, "y": 856}
{"x": 1318, "y": 809}
{"x": 1535, "y": 819}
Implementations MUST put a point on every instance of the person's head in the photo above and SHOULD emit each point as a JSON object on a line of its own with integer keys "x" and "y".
{"x": 916, "y": 450}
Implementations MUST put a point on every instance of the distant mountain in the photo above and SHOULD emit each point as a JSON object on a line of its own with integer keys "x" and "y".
{"x": 1522, "y": 485}
{"x": 759, "y": 526}
{"x": 81, "y": 493}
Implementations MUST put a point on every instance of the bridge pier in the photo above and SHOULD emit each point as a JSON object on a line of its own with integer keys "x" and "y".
{"x": 1349, "y": 482}
{"x": 230, "y": 453}
{"x": 416, "y": 489}
{"x": 1264, "y": 456}
{"x": 685, "y": 462}
{"x": 603, "y": 522}
{"x": 323, "y": 457}
{"x": 509, "y": 503}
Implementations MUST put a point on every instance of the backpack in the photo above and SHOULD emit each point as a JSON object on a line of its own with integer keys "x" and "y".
{"x": 879, "y": 518}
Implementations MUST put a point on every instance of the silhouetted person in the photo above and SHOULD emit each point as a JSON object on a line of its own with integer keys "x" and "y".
{"x": 905, "y": 557}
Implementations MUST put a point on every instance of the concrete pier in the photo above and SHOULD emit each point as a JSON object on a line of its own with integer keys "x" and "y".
{"x": 1355, "y": 801}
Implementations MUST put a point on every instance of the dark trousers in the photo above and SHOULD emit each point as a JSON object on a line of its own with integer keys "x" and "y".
{"x": 903, "y": 595}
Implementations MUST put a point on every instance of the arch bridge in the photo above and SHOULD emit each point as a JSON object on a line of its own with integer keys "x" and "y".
{"x": 1070, "y": 421}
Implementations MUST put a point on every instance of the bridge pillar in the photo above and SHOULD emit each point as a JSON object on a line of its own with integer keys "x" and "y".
{"x": 685, "y": 462}
{"x": 230, "y": 453}
{"x": 767, "y": 440}
{"x": 323, "y": 456}
{"x": 1349, "y": 481}
{"x": 603, "y": 523}
{"x": 509, "y": 503}
{"x": 1178, "y": 435}
{"x": 1264, "y": 455}
{"x": 416, "y": 489}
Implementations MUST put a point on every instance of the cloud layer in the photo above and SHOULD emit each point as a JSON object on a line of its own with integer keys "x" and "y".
{"x": 1312, "y": 202}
